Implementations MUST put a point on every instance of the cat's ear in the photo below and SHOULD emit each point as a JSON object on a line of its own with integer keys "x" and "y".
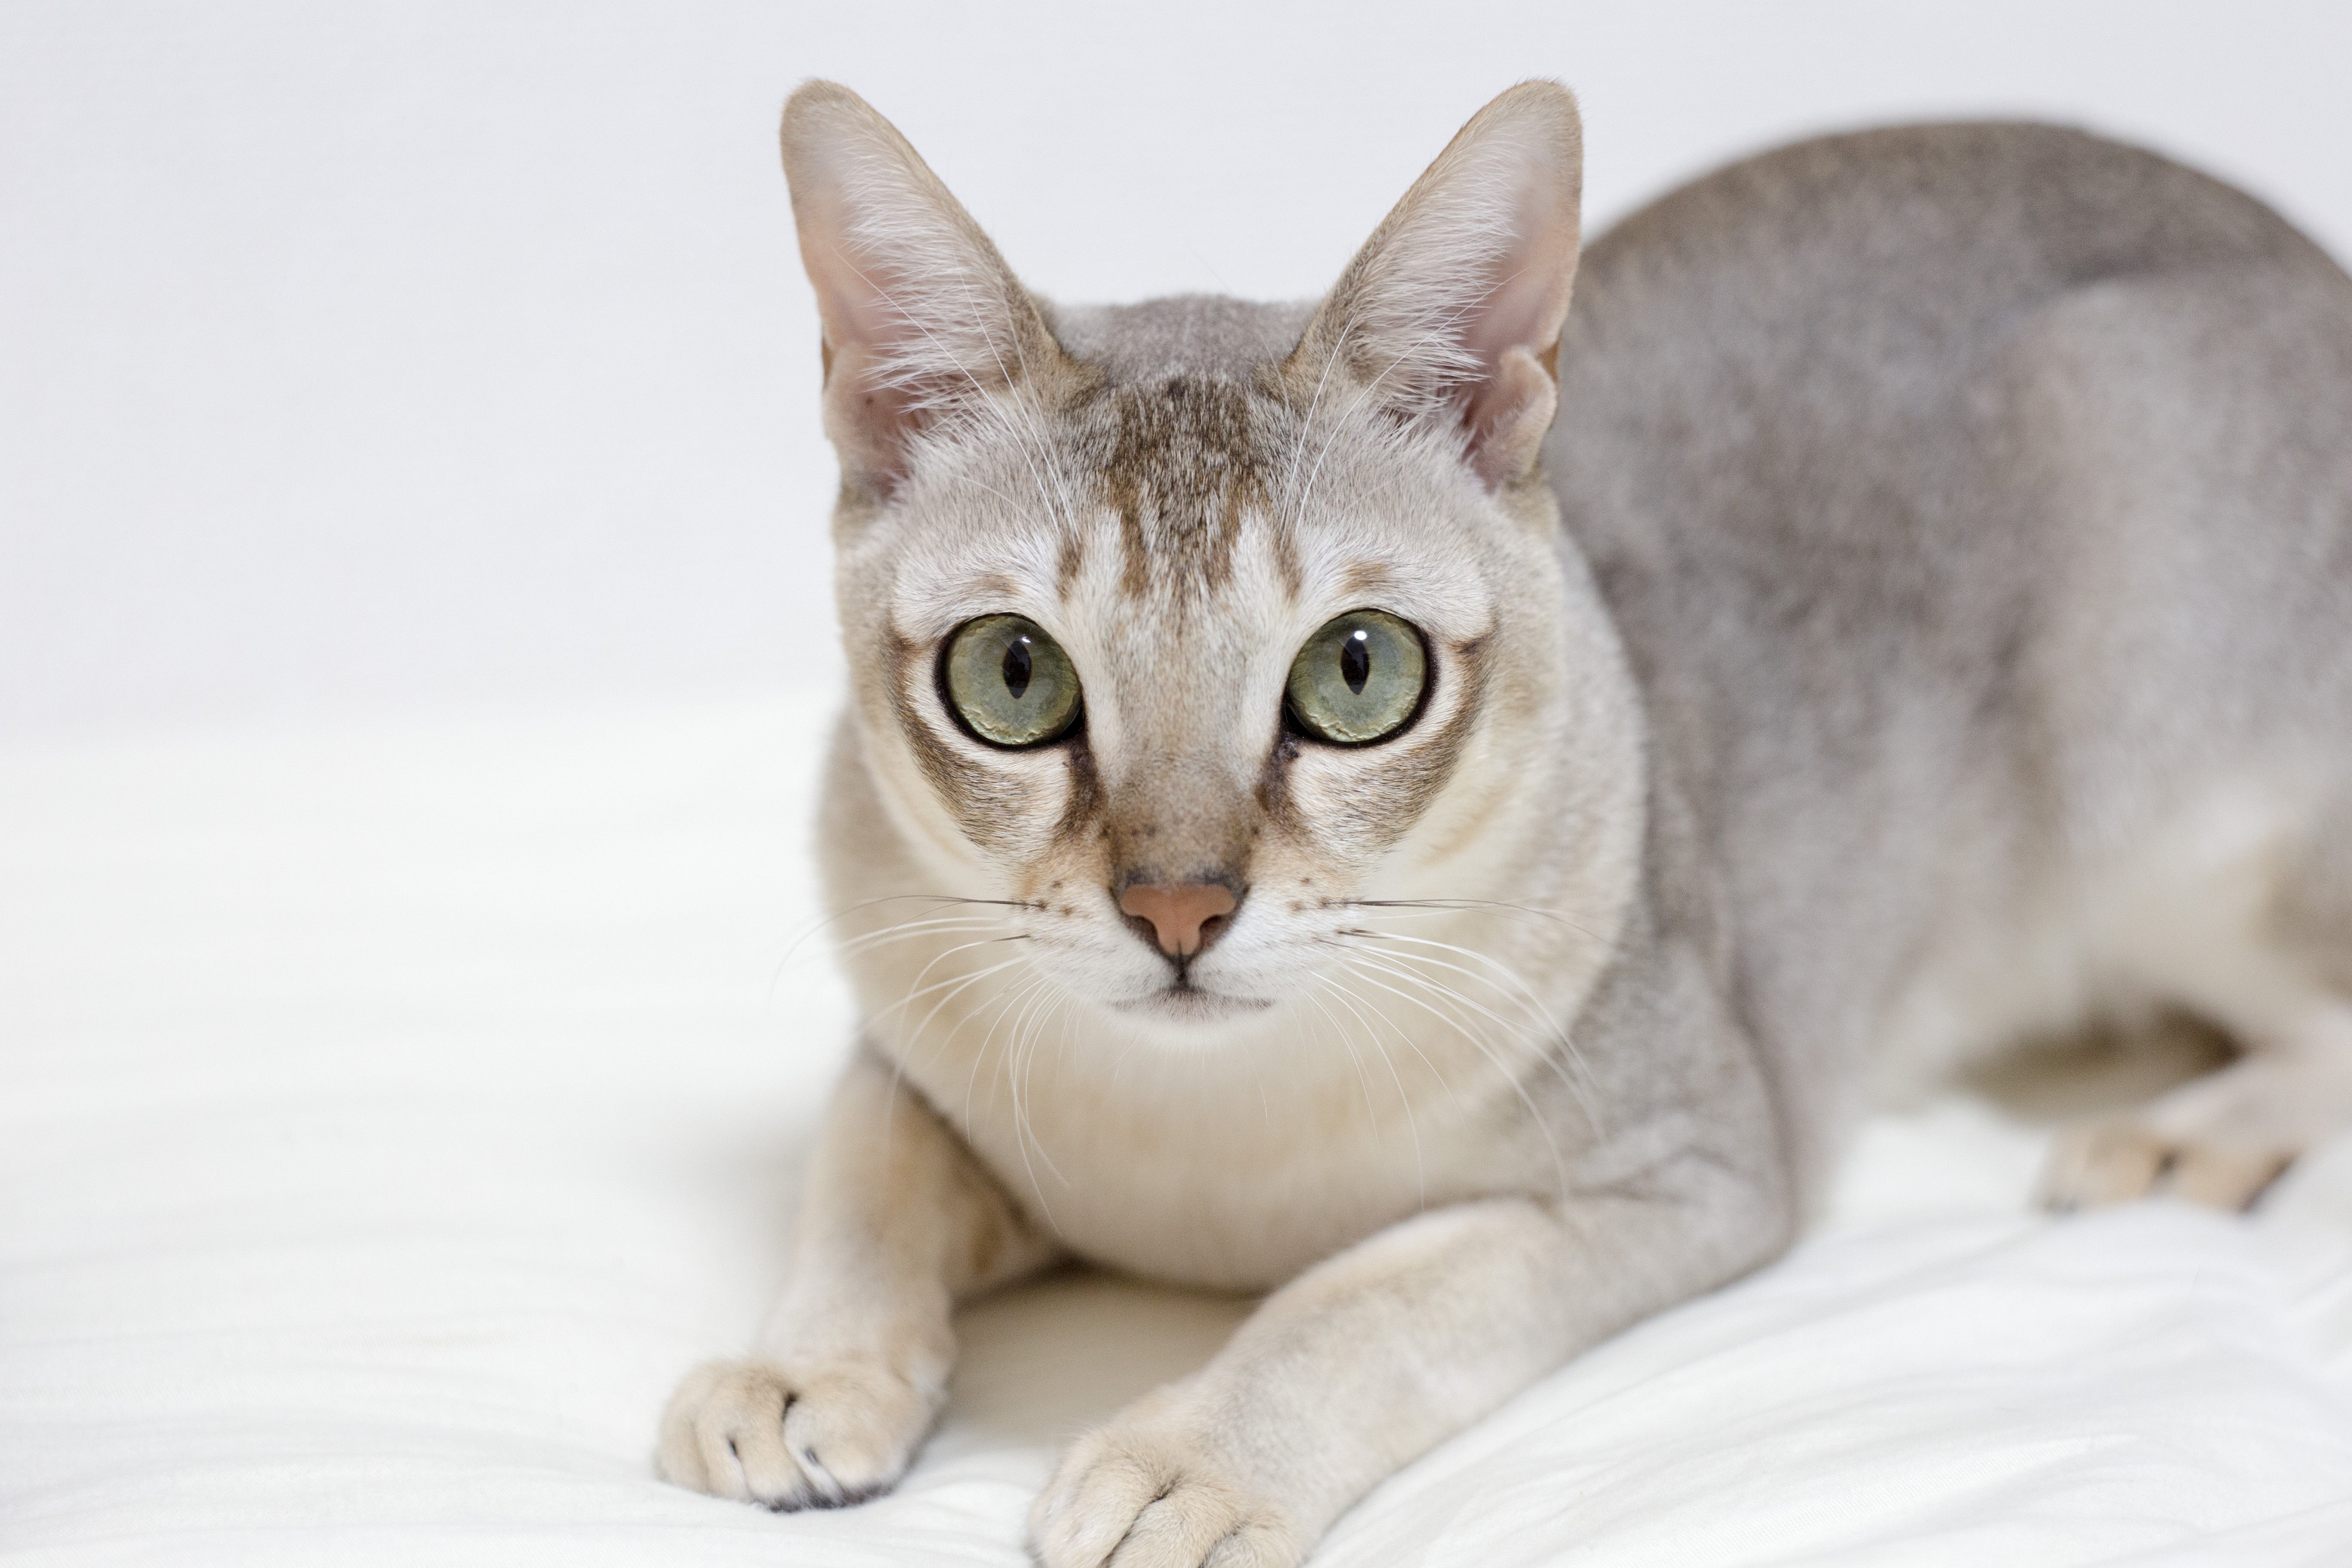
{"x": 1451, "y": 313}
{"x": 921, "y": 316}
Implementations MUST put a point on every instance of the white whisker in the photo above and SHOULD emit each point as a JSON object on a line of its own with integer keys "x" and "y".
{"x": 1552, "y": 1031}
{"x": 1412, "y": 1125}
{"x": 1560, "y": 1168}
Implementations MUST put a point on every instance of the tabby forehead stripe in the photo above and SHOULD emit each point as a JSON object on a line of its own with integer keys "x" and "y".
{"x": 1183, "y": 468}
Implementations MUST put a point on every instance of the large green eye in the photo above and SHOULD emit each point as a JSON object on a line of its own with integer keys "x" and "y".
{"x": 1010, "y": 682}
{"x": 1360, "y": 678}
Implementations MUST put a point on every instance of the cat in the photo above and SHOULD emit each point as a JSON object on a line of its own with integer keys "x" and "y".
{"x": 1437, "y": 806}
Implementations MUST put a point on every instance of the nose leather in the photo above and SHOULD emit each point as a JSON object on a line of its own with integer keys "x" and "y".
{"x": 1178, "y": 914}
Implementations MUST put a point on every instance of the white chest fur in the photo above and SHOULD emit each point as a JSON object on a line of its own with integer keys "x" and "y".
{"x": 1236, "y": 1167}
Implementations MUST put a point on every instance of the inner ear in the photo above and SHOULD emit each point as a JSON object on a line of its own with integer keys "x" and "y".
{"x": 922, "y": 319}
{"x": 1450, "y": 316}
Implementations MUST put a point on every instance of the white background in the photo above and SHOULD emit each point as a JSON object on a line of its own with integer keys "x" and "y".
{"x": 374, "y": 357}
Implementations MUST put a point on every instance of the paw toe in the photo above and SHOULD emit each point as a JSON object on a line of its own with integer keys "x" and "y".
{"x": 852, "y": 1432}
{"x": 1142, "y": 1499}
{"x": 2119, "y": 1161}
{"x": 2103, "y": 1163}
{"x": 2222, "y": 1178}
{"x": 790, "y": 1439}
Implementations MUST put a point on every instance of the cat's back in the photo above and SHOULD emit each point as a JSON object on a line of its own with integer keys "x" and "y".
{"x": 1832, "y": 314}
{"x": 1865, "y": 408}
{"x": 1967, "y": 498}
{"x": 1908, "y": 237}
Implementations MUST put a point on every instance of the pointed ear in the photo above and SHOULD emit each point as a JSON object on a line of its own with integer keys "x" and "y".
{"x": 922, "y": 319}
{"x": 1450, "y": 316}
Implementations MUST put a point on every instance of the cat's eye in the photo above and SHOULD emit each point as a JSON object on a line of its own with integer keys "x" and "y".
{"x": 1010, "y": 683}
{"x": 1360, "y": 678}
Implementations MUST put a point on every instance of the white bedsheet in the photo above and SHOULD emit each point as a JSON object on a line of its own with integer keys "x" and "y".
{"x": 389, "y": 1116}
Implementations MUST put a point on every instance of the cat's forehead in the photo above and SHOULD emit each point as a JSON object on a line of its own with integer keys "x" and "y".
{"x": 1192, "y": 335}
{"x": 1191, "y": 479}
{"x": 1181, "y": 441}
{"x": 1185, "y": 466}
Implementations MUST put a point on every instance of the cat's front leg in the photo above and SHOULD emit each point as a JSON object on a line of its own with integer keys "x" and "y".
{"x": 899, "y": 1223}
{"x": 1371, "y": 1358}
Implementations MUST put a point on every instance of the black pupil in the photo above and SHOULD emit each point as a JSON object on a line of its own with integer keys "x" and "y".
{"x": 1356, "y": 661}
{"x": 1017, "y": 667}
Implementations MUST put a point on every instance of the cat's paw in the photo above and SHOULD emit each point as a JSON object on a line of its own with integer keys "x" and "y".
{"x": 1145, "y": 1492}
{"x": 2117, "y": 1158}
{"x": 791, "y": 1436}
{"x": 2220, "y": 1140}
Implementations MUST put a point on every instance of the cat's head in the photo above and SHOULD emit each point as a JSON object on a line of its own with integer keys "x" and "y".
{"x": 1195, "y": 630}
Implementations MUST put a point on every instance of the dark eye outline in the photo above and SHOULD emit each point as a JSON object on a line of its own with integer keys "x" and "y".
{"x": 1294, "y": 724}
{"x": 1078, "y": 720}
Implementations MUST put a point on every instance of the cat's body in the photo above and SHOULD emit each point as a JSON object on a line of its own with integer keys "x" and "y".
{"x": 1938, "y": 638}
{"x": 2008, "y": 677}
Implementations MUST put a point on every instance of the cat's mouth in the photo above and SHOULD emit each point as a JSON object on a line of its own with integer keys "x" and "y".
{"x": 1182, "y": 1000}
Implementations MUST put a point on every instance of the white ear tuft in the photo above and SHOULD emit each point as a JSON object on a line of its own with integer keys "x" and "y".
{"x": 1451, "y": 313}
{"x": 921, "y": 316}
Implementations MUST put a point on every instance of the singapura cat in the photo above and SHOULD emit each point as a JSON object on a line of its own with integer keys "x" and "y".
{"x": 1435, "y": 805}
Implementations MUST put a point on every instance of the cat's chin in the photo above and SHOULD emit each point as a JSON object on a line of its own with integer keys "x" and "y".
{"x": 1189, "y": 1004}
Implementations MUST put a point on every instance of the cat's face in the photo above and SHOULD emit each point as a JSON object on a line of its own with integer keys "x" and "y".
{"x": 1155, "y": 565}
{"x": 1198, "y": 632}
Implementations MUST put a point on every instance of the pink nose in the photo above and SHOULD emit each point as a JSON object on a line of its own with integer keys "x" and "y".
{"x": 1178, "y": 914}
